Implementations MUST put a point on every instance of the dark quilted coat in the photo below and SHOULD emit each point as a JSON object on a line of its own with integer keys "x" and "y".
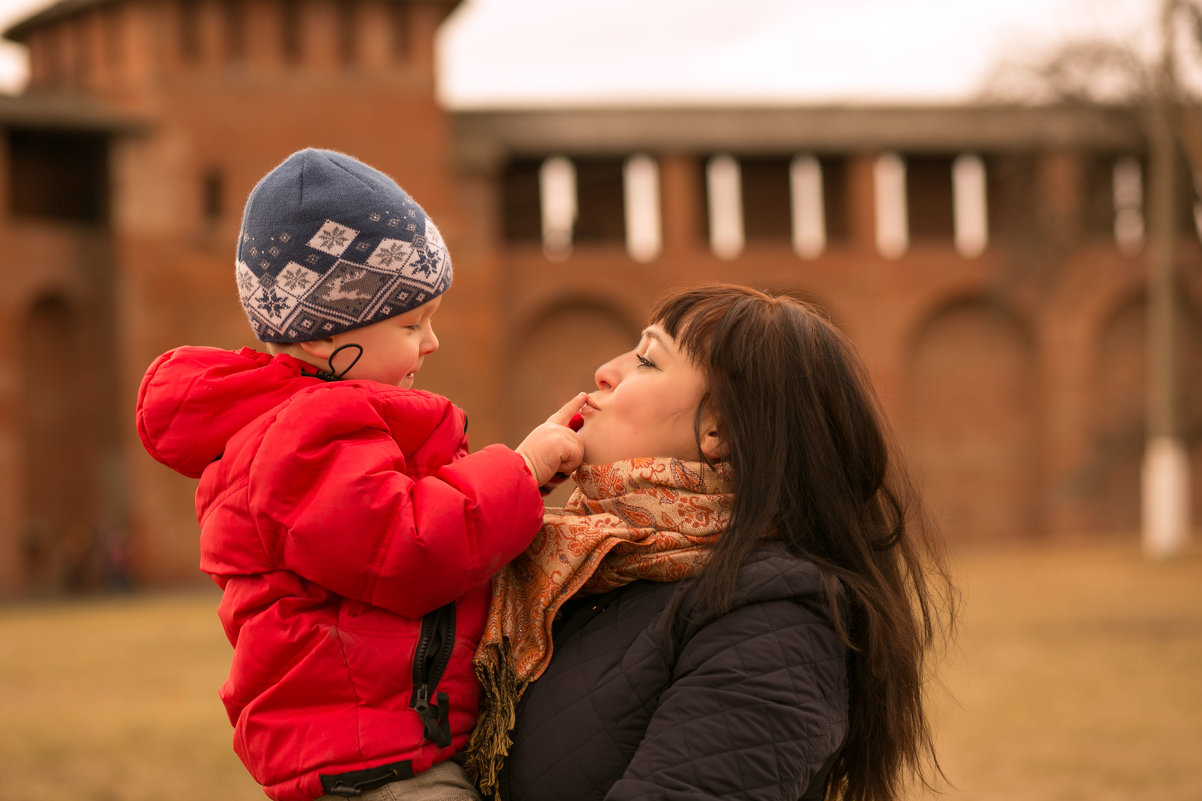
{"x": 750, "y": 705}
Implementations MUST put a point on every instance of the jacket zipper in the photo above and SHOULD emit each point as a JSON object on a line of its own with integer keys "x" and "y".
{"x": 430, "y": 660}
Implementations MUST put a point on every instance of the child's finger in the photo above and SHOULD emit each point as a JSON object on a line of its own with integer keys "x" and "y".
{"x": 563, "y": 416}
{"x": 549, "y": 487}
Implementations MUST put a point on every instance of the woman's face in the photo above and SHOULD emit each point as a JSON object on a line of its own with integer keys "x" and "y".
{"x": 645, "y": 404}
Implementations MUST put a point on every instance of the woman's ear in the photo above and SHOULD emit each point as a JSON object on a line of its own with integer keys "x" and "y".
{"x": 713, "y": 446}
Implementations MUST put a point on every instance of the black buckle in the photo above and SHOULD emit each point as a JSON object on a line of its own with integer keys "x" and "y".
{"x": 354, "y": 783}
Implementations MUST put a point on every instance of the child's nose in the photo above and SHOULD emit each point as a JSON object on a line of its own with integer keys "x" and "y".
{"x": 431, "y": 342}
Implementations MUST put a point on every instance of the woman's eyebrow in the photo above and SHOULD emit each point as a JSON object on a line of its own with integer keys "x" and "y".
{"x": 651, "y": 333}
{"x": 667, "y": 347}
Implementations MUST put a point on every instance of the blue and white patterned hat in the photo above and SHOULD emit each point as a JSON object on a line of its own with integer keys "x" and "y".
{"x": 329, "y": 244}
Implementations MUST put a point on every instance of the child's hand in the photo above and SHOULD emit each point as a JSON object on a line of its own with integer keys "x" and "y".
{"x": 554, "y": 447}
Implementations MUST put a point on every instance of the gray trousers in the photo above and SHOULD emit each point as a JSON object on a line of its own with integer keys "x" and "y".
{"x": 446, "y": 781}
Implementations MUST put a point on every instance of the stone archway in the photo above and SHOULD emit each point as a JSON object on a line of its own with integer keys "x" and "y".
{"x": 973, "y": 422}
{"x": 58, "y": 500}
{"x": 556, "y": 357}
{"x": 1111, "y": 478}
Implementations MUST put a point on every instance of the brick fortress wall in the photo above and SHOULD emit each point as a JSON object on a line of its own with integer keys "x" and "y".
{"x": 1008, "y": 348}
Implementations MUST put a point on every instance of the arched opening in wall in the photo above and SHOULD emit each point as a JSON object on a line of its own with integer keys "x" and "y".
{"x": 973, "y": 422}
{"x": 1190, "y": 381}
{"x": 58, "y": 499}
{"x": 1110, "y": 482}
{"x": 556, "y": 357}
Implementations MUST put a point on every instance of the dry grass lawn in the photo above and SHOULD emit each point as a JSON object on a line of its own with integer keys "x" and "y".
{"x": 1077, "y": 675}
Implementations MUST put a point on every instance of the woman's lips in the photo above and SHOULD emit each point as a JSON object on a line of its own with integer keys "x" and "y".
{"x": 586, "y": 410}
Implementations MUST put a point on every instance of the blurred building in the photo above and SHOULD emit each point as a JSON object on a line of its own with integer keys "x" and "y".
{"x": 989, "y": 262}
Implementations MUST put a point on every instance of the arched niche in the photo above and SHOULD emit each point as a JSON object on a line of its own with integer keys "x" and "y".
{"x": 58, "y": 500}
{"x": 972, "y": 423}
{"x": 1118, "y": 383}
{"x": 1119, "y": 425}
{"x": 556, "y": 355}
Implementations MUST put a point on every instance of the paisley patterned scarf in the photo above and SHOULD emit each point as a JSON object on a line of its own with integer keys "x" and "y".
{"x": 649, "y": 518}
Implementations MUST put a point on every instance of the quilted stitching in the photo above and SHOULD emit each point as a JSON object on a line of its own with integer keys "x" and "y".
{"x": 751, "y": 707}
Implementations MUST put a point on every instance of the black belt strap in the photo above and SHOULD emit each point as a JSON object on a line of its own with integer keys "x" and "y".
{"x": 356, "y": 782}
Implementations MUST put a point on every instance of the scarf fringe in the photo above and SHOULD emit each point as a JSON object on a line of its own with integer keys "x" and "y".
{"x": 491, "y": 739}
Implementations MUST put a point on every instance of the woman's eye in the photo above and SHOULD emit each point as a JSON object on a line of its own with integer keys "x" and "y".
{"x": 644, "y": 361}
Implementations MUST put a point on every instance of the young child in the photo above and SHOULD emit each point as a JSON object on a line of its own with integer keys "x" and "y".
{"x": 350, "y": 530}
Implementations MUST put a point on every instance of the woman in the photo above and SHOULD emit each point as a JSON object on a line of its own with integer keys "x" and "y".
{"x": 737, "y": 600}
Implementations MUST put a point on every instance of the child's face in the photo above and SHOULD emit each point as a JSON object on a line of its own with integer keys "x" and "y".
{"x": 393, "y": 349}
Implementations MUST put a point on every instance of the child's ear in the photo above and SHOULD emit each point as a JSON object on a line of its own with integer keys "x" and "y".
{"x": 320, "y": 349}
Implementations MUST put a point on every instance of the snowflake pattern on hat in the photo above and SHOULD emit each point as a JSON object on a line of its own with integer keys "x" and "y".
{"x": 303, "y": 282}
{"x": 328, "y": 293}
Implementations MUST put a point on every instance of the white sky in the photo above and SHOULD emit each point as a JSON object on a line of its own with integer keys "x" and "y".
{"x": 755, "y": 50}
{"x": 530, "y": 52}
{"x": 12, "y": 57}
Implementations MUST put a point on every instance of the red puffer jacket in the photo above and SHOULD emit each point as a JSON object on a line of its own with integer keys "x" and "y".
{"x": 354, "y": 538}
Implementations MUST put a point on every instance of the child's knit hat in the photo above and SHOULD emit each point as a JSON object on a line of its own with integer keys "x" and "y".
{"x": 329, "y": 244}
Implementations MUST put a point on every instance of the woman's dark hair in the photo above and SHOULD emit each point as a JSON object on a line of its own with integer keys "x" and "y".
{"x": 814, "y": 468}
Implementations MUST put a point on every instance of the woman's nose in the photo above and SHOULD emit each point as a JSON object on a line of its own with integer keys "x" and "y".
{"x": 608, "y": 375}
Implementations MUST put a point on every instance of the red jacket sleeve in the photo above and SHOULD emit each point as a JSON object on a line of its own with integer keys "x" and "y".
{"x": 337, "y": 501}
